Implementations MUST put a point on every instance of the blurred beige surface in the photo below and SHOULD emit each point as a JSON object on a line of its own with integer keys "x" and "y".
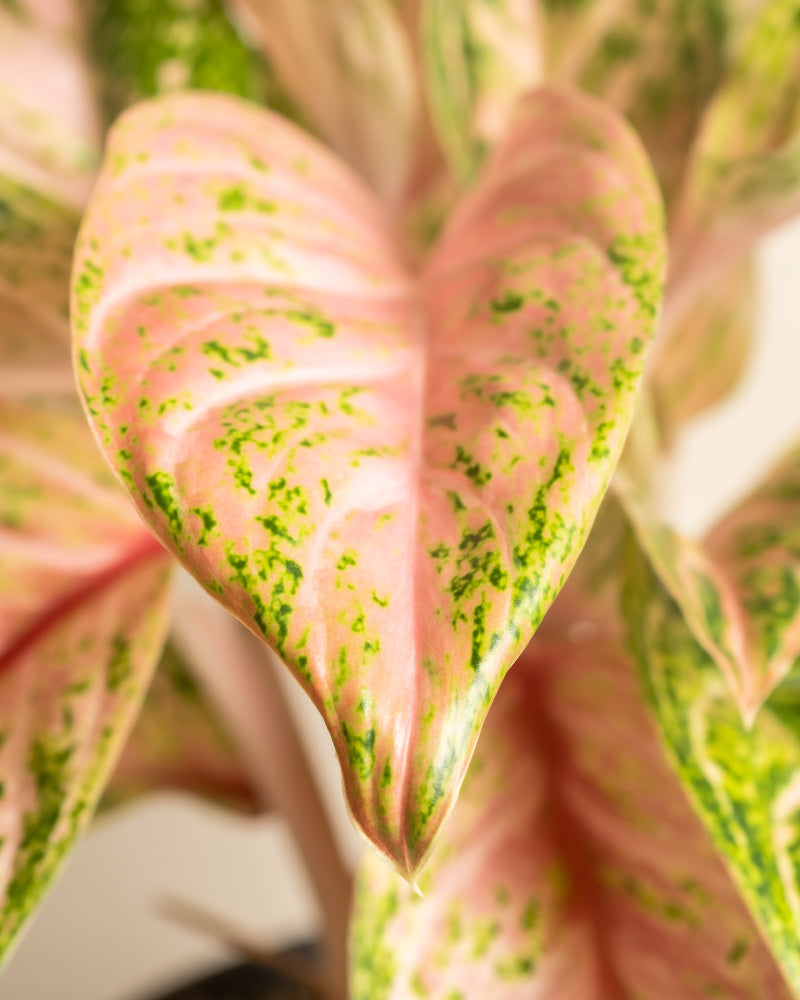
{"x": 97, "y": 937}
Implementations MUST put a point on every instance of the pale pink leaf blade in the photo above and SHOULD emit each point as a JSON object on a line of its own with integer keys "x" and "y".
{"x": 388, "y": 478}
{"x": 572, "y": 865}
{"x": 83, "y": 602}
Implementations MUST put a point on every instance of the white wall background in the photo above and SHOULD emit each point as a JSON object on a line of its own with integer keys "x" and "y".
{"x": 97, "y": 936}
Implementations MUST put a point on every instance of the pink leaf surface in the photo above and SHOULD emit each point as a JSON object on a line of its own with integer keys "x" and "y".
{"x": 740, "y": 589}
{"x": 572, "y": 867}
{"x": 83, "y": 601}
{"x": 388, "y": 478}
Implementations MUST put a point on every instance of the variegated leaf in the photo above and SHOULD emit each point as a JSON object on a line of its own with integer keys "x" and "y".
{"x": 743, "y": 780}
{"x": 83, "y": 596}
{"x": 572, "y": 866}
{"x": 387, "y": 480}
{"x": 657, "y": 62}
{"x": 478, "y": 56}
{"x": 759, "y": 544}
{"x": 745, "y": 168}
{"x": 740, "y": 589}
{"x": 348, "y": 68}
{"x": 179, "y": 745}
{"x": 702, "y": 360}
{"x": 150, "y": 47}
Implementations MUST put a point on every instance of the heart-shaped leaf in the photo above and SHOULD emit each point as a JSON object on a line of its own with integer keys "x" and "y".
{"x": 743, "y": 780}
{"x": 348, "y": 68}
{"x": 83, "y": 600}
{"x": 179, "y": 745}
{"x": 388, "y": 479}
{"x": 740, "y": 590}
{"x": 572, "y": 866}
{"x": 478, "y": 56}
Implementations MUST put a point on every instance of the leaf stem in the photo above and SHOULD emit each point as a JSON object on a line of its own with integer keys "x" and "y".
{"x": 237, "y": 673}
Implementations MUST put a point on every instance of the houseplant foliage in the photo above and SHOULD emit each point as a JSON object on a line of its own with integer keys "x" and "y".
{"x": 365, "y": 364}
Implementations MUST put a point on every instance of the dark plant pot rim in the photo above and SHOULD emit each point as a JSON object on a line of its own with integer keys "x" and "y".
{"x": 244, "y": 981}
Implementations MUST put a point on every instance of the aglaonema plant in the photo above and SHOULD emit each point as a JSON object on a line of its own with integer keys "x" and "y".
{"x": 365, "y": 364}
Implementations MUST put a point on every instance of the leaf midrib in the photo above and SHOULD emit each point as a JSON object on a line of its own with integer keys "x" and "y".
{"x": 145, "y": 549}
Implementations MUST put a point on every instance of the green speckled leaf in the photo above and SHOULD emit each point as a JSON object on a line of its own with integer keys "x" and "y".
{"x": 478, "y": 57}
{"x": 149, "y": 47}
{"x": 703, "y": 359}
{"x": 743, "y": 781}
{"x": 572, "y": 866}
{"x": 348, "y": 67}
{"x": 740, "y": 589}
{"x": 178, "y": 744}
{"x": 745, "y": 171}
{"x": 759, "y": 545}
{"x": 83, "y": 602}
{"x": 387, "y": 478}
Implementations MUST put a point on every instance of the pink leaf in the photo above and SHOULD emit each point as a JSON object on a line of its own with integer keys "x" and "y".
{"x": 572, "y": 867}
{"x": 387, "y": 478}
{"x": 83, "y": 600}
